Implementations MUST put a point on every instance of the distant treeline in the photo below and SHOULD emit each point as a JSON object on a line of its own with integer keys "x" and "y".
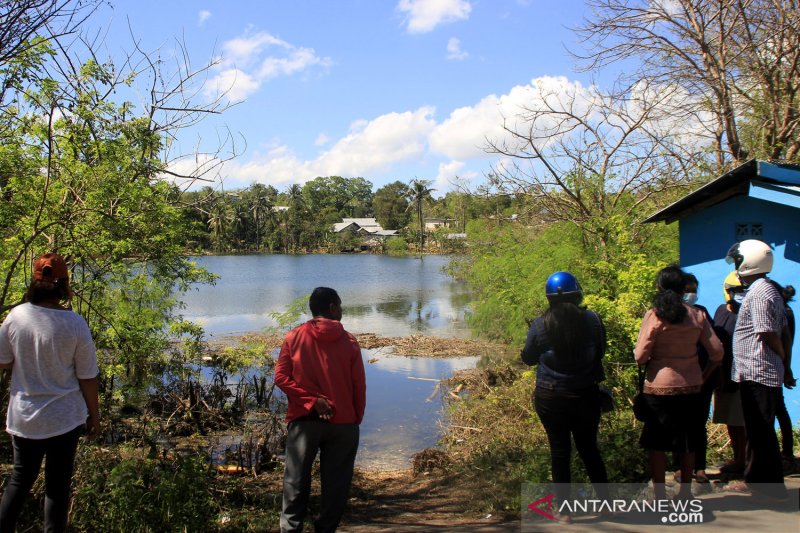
{"x": 300, "y": 218}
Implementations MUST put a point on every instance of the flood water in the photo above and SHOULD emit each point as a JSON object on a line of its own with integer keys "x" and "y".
{"x": 388, "y": 296}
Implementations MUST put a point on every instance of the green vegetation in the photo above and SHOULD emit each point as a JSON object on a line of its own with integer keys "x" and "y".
{"x": 86, "y": 171}
{"x": 300, "y": 219}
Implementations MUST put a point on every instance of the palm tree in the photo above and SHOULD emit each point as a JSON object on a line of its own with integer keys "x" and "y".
{"x": 418, "y": 194}
{"x": 218, "y": 222}
{"x": 294, "y": 196}
{"x": 261, "y": 206}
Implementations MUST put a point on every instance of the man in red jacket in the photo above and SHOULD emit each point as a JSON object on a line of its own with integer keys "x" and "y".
{"x": 321, "y": 371}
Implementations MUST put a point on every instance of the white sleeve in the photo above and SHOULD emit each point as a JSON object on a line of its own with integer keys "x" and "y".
{"x": 85, "y": 353}
{"x": 6, "y": 355}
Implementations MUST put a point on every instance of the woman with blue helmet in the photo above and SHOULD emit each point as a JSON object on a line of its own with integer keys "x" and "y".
{"x": 568, "y": 344}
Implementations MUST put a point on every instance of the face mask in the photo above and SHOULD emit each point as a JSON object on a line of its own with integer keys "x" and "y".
{"x": 738, "y": 297}
{"x": 690, "y": 298}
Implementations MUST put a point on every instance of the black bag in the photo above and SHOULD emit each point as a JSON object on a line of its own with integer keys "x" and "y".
{"x": 606, "y": 399}
{"x": 641, "y": 410}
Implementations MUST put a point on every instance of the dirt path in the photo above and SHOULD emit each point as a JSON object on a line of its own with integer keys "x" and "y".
{"x": 398, "y": 501}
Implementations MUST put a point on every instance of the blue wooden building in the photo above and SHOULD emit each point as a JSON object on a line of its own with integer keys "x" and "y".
{"x": 757, "y": 200}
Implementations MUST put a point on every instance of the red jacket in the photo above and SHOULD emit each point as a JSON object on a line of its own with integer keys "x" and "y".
{"x": 319, "y": 358}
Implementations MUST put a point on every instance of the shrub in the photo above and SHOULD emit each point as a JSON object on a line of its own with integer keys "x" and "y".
{"x": 116, "y": 494}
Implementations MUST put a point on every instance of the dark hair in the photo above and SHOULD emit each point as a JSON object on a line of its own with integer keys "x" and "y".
{"x": 321, "y": 299}
{"x": 788, "y": 293}
{"x": 690, "y": 279}
{"x": 567, "y": 327}
{"x": 42, "y": 291}
{"x": 668, "y": 301}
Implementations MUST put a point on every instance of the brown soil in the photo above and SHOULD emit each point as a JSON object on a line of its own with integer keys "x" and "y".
{"x": 400, "y": 501}
{"x": 412, "y": 345}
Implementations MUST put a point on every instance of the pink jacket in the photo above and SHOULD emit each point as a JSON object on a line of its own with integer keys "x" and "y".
{"x": 319, "y": 358}
{"x": 671, "y": 351}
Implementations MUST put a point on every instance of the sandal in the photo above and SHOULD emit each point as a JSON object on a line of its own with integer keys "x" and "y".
{"x": 737, "y": 486}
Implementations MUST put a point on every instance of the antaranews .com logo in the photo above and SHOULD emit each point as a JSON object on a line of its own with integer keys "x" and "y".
{"x": 635, "y": 507}
{"x": 670, "y": 511}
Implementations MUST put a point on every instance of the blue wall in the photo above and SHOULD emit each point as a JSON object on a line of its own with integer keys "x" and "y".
{"x": 706, "y": 236}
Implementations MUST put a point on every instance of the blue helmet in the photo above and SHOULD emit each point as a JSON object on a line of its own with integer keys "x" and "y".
{"x": 562, "y": 284}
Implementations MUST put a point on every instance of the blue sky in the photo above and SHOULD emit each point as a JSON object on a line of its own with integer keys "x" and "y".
{"x": 382, "y": 89}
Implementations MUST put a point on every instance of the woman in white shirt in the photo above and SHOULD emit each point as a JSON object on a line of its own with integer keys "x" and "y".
{"x": 53, "y": 392}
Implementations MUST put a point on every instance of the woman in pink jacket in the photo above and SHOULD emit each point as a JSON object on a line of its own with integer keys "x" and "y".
{"x": 667, "y": 345}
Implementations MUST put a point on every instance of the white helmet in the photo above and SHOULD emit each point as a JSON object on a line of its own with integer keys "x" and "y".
{"x": 750, "y": 257}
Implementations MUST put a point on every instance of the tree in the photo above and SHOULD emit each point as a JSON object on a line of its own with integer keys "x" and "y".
{"x": 594, "y": 159}
{"x": 729, "y": 57}
{"x": 390, "y": 205}
{"x": 82, "y": 171}
{"x": 418, "y": 194}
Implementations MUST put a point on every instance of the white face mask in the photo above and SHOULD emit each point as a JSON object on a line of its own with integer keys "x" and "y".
{"x": 690, "y": 298}
{"x": 738, "y": 297}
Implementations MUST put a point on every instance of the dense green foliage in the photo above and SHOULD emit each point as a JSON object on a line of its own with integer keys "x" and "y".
{"x": 300, "y": 219}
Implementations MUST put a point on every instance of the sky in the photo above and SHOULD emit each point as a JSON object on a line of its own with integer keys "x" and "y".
{"x": 381, "y": 89}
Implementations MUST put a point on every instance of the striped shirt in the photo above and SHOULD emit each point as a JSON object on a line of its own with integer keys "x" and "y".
{"x": 762, "y": 311}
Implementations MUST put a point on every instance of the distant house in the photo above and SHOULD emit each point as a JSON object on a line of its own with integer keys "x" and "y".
{"x": 756, "y": 200}
{"x": 432, "y": 223}
{"x": 369, "y": 228}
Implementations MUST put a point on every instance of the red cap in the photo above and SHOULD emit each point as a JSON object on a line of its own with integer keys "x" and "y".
{"x": 51, "y": 268}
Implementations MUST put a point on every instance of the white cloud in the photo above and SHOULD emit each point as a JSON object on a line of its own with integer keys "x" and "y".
{"x": 250, "y": 60}
{"x": 203, "y": 16}
{"x": 454, "y": 147}
{"x": 449, "y": 175}
{"x": 454, "y": 50}
{"x": 234, "y": 83}
{"x": 463, "y": 135}
{"x": 369, "y": 148}
{"x": 422, "y": 16}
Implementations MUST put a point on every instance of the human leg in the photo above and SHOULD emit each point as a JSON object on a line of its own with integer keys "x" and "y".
{"x": 60, "y": 453}
{"x": 554, "y": 418}
{"x": 28, "y": 454}
{"x": 584, "y": 431}
{"x": 338, "y": 448}
{"x": 704, "y": 401}
{"x": 785, "y": 423}
{"x": 764, "y": 466}
{"x": 302, "y": 442}
{"x": 658, "y": 466}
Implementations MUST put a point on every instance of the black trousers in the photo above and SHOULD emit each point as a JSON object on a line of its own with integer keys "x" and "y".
{"x": 28, "y": 455}
{"x": 785, "y": 423}
{"x": 337, "y": 445}
{"x": 566, "y": 416}
{"x": 764, "y": 467}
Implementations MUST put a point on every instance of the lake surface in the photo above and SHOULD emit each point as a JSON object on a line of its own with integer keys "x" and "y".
{"x": 390, "y": 296}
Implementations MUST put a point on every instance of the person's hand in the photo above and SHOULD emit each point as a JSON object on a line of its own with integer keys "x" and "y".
{"x": 323, "y": 408}
{"x": 789, "y": 382}
{"x": 92, "y": 427}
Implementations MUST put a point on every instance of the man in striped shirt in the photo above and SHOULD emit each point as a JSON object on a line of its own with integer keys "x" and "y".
{"x": 759, "y": 352}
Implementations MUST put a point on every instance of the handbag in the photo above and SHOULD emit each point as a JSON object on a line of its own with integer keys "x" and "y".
{"x": 606, "y": 399}
{"x": 641, "y": 410}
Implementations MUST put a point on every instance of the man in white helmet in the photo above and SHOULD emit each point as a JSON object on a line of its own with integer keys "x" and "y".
{"x": 758, "y": 366}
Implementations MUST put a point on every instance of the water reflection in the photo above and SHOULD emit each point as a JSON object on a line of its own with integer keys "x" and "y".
{"x": 386, "y": 295}
{"x": 400, "y": 419}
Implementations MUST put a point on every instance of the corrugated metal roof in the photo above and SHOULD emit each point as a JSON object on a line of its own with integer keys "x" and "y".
{"x": 733, "y": 183}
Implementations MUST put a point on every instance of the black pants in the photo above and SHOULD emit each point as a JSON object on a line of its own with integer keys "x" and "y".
{"x": 764, "y": 465}
{"x": 337, "y": 445}
{"x": 28, "y": 455}
{"x": 568, "y": 415}
{"x": 785, "y": 422}
{"x": 701, "y": 429}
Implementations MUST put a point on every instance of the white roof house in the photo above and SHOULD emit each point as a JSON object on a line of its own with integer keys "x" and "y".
{"x": 367, "y": 226}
